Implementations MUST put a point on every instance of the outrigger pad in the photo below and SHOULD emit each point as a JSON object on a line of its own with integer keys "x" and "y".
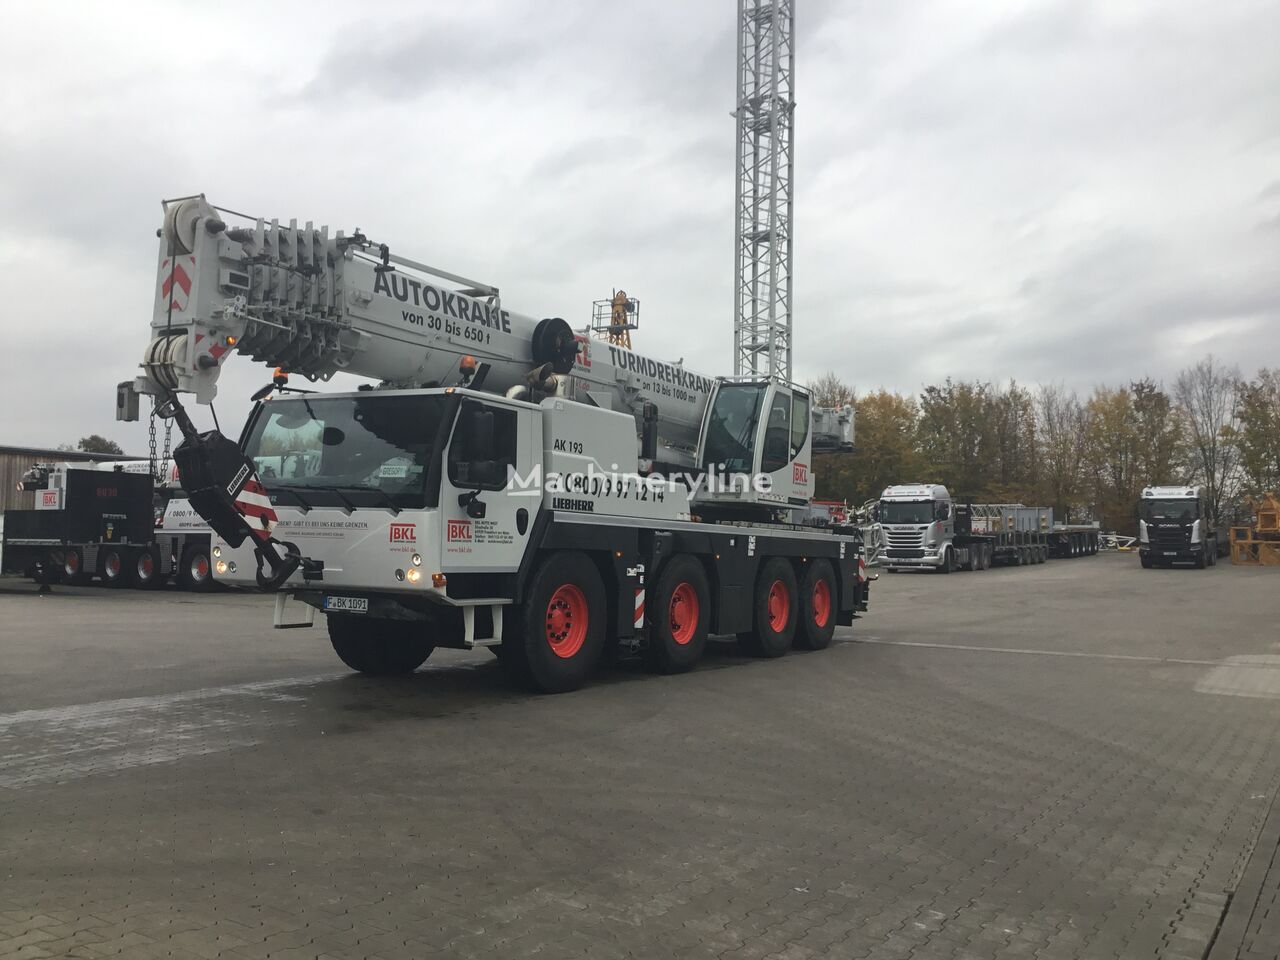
{"x": 213, "y": 472}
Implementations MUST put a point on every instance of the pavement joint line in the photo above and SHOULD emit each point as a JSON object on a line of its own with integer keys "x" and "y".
{"x": 77, "y": 711}
{"x": 1075, "y": 654}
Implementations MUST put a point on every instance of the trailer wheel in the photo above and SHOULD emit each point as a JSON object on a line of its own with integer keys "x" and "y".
{"x": 679, "y": 613}
{"x": 817, "y": 607}
{"x": 144, "y": 569}
{"x": 73, "y": 566}
{"x": 558, "y": 636}
{"x": 112, "y": 566}
{"x": 379, "y": 647}
{"x": 775, "y": 611}
{"x": 194, "y": 572}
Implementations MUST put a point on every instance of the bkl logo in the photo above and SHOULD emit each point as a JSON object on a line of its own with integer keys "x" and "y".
{"x": 49, "y": 498}
{"x": 459, "y": 531}
{"x": 800, "y": 473}
{"x": 403, "y": 532}
{"x": 584, "y": 351}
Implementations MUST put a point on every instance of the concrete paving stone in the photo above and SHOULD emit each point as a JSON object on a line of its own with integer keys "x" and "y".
{"x": 1085, "y": 803}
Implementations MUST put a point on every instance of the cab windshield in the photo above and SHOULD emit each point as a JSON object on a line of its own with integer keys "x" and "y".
{"x": 919, "y": 511}
{"x": 1170, "y": 509}
{"x": 366, "y": 451}
{"x": 731, "y": 431}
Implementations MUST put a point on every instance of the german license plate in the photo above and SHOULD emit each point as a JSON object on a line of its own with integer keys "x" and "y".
{"x": 1171, "y": 553}
{"x": 347, "y": 604}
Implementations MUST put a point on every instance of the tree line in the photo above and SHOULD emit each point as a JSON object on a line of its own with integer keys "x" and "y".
{"x": 1087, "y": 457}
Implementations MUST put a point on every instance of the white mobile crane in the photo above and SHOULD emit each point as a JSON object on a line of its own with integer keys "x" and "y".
{"x": 507, "y": 484}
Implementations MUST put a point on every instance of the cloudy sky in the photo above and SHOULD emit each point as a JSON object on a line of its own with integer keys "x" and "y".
{"x": 1073, "y": 191}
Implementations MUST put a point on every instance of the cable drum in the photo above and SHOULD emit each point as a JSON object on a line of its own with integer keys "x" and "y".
{"x": 180, "y": 222}
{"x": 163, "y": 359}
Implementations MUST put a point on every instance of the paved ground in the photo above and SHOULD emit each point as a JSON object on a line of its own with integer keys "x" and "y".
{"x": 1070, "y": 760}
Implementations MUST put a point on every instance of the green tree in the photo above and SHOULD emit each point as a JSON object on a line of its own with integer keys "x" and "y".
{"x": 1161, "y": 434}
{"x": 1111, "y": 433}
{"x": 98, "y": 444}
{"x": 1257, "y": 432}
{"x": 954, "y": 437}
{"x": 885, "y": 451}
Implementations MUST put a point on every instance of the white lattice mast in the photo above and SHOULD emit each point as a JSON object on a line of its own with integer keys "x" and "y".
{"x": 766, "y": 106}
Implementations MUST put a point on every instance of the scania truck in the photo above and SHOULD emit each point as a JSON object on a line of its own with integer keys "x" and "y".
{"x": 1175, "y": 525}
{"x": 925, "y": 529}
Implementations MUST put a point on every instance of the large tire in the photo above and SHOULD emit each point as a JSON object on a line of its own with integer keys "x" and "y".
{"x": 113, "y": 563}
{"x": 679, "y": 615}
{"x": 556, "y": 640}
{"x": 73, "y": 570}
{"x": 948, "y": 561}
{"x": 818, "y": 603}
{"x": 774, "y": 611}
{"x": 1146, "y": 562}
{"x": 379, "y": 647}
{"x": 144, "y": 569}
{"x": 194, "y": 570}
{"x": 1201, "y": 561}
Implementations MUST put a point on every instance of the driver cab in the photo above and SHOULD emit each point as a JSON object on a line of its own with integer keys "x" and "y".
{"x": 756, "y": 444}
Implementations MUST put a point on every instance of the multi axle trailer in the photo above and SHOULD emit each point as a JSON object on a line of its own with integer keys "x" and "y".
{"x": 509, "y": 483}
{"x": 925, "y": 529}
{"x": 111, "y": 522}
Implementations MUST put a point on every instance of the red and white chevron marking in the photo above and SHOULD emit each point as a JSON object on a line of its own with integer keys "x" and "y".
{"x": 176, "y": 285}
{"x": 255, "y": 505}
{"x": 639, "y": 607}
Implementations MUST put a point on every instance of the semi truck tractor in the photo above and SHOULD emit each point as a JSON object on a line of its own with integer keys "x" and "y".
{"x": 925, "y": 529}
{"x": 1175, "y": 525}
{"x": 507, "y": 483}
{"x": 110, "y": 521}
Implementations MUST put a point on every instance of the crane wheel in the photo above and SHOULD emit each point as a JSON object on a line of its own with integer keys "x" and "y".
{"x": 112, "y": 564}
{"x": 817, "y": 606}
{"x": 73, "y": 571}
{"x": 556, "y": 639}
{"x": 195, "y": 571}
{"x": 679, "y": 615}
{"x": 775, "y": 611}
{"x": 379, "y": 647}
{"x": 144, "y": 569}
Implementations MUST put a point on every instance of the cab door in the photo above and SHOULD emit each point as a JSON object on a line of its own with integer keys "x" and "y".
{"x": 485, "y": 518}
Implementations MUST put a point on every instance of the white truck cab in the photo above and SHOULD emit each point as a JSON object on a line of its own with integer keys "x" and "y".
{"x": 919, "y": 523}
{"x": 1175, "y": 526}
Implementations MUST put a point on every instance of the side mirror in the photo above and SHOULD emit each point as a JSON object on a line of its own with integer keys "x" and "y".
{"x": 944, "y": 511}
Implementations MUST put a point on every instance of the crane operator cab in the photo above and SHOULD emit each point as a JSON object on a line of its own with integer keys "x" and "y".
{"x": 756, "y": 447}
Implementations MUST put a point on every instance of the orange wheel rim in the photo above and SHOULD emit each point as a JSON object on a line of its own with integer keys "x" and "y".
{"x": 146, "y": 566}
{"x": 567, "y": 621}
{"x": 200, "y": 568}
{"x": 684, "y": 611}
{"x": 821, "y": 603}
{"x": 779, "y": 606}
{"x": 113, "y": 564}
{"x": 73, "y": 563}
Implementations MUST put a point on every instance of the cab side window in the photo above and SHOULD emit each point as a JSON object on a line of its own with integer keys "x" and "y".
{"x": 777, "y": 435}
{"x": 799, "y": 422}
{"x": 483, "y": 450}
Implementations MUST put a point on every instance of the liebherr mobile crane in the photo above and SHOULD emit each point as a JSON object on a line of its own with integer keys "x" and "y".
{"x": 506, "y": 484}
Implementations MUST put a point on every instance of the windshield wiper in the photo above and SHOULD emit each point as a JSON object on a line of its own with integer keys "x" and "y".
{"x": 387, "y": 500}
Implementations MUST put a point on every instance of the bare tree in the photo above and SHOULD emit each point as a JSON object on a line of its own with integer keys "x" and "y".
{"x": 1207, "y": 394}
{"x": 830, "y": 391}
{"x": 1061, "y": 429}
